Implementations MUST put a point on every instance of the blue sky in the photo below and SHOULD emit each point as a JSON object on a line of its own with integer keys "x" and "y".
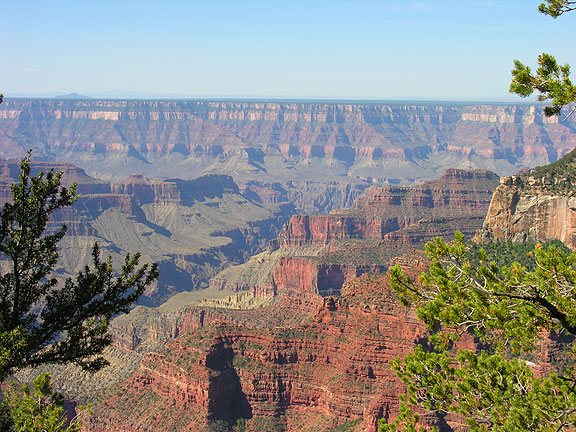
{"x": 341, "y": 49}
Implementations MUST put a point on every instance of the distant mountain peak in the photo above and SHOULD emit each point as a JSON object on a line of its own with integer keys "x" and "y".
{"x": 72, "y": 96}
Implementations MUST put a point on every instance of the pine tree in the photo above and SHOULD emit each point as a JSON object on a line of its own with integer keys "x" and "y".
{"x": 42, "y": 321}
{"x": 38, "y": 409}
{"x": 552, "y": 80}
{"x": 508, "y": 308}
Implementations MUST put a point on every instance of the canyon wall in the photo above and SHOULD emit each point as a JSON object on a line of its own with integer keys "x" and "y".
{"x": 330, "y": 369}
{"x": 380, "y": 211}
{"x": 300, "y": 358}
{"x": 284, "y": 150}
{"x": 277, "y": 347}
{"x": 192, "y": 228}
{"x": 319, "y": 253}
{"x": 536, "y": 205}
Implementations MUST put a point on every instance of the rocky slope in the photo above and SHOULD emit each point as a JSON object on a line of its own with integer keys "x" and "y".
{"x": 535, "y": 205}
{"x": 193, "y": 228}
{"x": 318, "y": 253}
{"x": 330, "y": 369}
{"x": 302, "y": 362}
{"x": 284, "y": 150}
{"x": 146, "y": 330}
{"x": 281, "y": 297}
{"x": 280, "y": 352}
{"x": 327, "y": 370}
{"x": 306, "y": 361}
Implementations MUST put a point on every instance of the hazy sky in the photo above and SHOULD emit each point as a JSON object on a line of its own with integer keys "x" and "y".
{"x": 352, "y": 49}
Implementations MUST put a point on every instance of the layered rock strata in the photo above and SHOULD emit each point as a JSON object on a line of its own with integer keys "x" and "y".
{"x": 279, "y": 149}
{"x": 192, "y": 228}
{"x": 332, "y": 369}
{"x": 308, "y": 360}
{"x": 319, "y": 253}
{"x": 535, "y": 206}
{"x": 329, "y": 370}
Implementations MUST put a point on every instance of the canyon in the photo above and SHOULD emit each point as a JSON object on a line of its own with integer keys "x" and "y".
{"x": 277, "y": 158}
{"x": 331, "y": 369}
{"x": 318, "y": 156}
{"x": 290, "y": 214}
{"x": 312, "y": 350}
{"x": 191, "y": 228}
{"x": 317, "y": 254}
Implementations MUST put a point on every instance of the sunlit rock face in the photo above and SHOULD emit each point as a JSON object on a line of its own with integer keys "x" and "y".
{"x": 281, "y": 151}
{"x": 318, "y": 254}
{"x": 535, "y": 205}
{"x": 314, "y": 353}
{"x": 329, "y": 367}
{"x": 531, "y": 216}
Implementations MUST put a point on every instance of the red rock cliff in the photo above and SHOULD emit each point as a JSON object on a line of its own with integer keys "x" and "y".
{"x": 459, "y": 194}
{"x": 319, "y": 253}
{"x": 327, "y": 372}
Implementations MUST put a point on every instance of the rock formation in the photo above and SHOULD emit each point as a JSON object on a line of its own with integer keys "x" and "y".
{"x": 296, "y": 357}
{"x": 284, "y": 150}
{"x": 299, "y": 337}
{"x": 535, "y": 205}
{"x": 331, "y": 369}
{"x": 193, "y": 228}
{"x": 317, "y": 254}
{"x": 328, "y": 369}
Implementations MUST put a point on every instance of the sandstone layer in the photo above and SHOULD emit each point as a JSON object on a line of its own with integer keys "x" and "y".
{"x": 329, "y": 370}
{"x": 287, "y": 357}
{"x": 284, "y": 150}
{"x": 317, "y": 254}
{"x": 535, "y": 206}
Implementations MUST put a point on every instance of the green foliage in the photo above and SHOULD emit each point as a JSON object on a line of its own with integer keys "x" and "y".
{"x": 558, "y": 177}
{"x": 407, "y": 420}
{"x": 552, "y": 80}
{"x": 507, "y": 308}
{"x": 348, "y": 426}
{"x": 516, "y": 302}
{"x": 555, "y": 8}
{"x": 41, "y": 321}
{"x": 218, "y": 426}
{"x": 224, "y": 426}
{"x": 562, "y": 167}
{"x": 37, "y": 410}
{"x": 506, "y": 252}
{"x": 240, "y": 425}
{"x": 491, "y": 393}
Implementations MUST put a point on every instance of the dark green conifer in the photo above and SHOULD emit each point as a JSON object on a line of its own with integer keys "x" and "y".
{"x": 551, "y": 80}
{"x": 42, "y": 321}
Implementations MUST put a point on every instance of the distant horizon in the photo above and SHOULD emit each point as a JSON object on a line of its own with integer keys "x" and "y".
{"x": 217, "y": 98}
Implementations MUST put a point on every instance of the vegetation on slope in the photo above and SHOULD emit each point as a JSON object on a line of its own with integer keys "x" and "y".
{"x": 558, "y": 177}
{"x": 508, "y": 308}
